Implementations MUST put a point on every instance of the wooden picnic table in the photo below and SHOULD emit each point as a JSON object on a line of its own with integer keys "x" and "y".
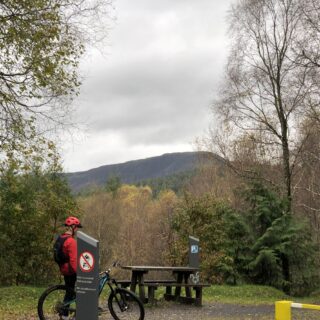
{"x": 180, "y": 279}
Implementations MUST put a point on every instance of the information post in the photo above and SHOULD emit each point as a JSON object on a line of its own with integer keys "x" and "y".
{"x": 194, "y": 252}
{"x": 87, "y": 277}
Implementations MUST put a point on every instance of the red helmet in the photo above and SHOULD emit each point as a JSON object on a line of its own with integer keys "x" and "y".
{"x": 73, "y": 221}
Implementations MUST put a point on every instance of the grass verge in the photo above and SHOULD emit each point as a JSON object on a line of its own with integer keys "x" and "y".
{"x": 17, "y": 301}
{"x": 245, "y": 294}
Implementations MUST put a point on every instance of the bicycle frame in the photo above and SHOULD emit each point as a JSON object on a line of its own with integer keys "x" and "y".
{"x": 105, "y": 278}
{"x": 102, "y": 281}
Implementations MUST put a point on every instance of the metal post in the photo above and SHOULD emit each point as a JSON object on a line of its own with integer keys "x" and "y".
{"x": 87, "y": 277}
{"x": 283, "y": 310}
{"x": 194, "y": 252}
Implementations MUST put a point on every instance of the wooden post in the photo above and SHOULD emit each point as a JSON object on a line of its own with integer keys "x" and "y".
{"x": 283, "y": 310}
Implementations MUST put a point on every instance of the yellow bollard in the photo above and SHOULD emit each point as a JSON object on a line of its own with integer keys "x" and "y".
{"x": 283, "y": 310}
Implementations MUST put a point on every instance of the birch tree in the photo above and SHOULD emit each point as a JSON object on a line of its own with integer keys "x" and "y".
{"x": 267, "y": 89}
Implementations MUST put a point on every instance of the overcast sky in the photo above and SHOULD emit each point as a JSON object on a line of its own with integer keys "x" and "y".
{"x": 150, "y": 92}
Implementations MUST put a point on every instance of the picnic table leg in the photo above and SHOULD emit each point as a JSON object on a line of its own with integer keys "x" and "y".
{"x": 177, "y": 292}
{"x": 151, "y": 294}
{"x": 198, "y": 301}
{"x": 142, "y": 294}
{"x": 187, "y": 289}
{"x": 134, "y": 280}
{"x": 168, "y": 296}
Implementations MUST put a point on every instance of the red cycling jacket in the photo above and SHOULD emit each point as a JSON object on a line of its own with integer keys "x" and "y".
{"x": 70, "y": 250}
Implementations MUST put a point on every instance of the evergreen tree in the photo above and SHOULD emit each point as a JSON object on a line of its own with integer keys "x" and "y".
{"x": 113, "y": 184}
{"x": 280, "y": 241}
{"x": 237, "y": 248}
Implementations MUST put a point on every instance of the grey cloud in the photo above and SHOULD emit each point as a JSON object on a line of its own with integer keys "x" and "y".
{"x": 159, "y": 105}
{"x": 155, "y": 87}
{"x": 146, "y": 89}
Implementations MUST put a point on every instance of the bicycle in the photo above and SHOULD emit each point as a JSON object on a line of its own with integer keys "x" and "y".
{"x": 122, "y": 303}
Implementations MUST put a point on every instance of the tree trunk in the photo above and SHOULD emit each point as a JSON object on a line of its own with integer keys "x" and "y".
{"x": 287, "y": 171}
{"x": 286, "y": 273}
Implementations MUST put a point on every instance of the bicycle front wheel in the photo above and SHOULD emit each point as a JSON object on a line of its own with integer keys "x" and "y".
{"x": 125, "y": 305}
{"x": 52, "y": 307}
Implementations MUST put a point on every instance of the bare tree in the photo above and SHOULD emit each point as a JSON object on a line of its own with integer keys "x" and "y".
{"x": 267, "y": 88}
{"x": 306, "y": 186}
{"x": 310, "y": 50}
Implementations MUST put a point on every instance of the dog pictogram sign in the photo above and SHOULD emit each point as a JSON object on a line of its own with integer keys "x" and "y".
{"x": 86, "y": 261}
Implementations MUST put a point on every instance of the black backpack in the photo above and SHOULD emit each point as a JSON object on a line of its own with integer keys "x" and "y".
{"x": 58, "y": 255}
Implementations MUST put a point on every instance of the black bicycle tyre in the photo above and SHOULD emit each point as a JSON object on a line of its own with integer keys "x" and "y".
{"x": 44, "y": 296}
{"x": 131, "y": 299}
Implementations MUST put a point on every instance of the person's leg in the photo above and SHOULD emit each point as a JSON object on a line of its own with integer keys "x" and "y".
{"x": 70, "y": 282}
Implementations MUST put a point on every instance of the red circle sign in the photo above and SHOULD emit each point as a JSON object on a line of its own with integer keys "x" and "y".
{"x": 86, "y": 261}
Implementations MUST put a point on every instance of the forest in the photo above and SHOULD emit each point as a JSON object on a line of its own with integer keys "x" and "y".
{"x": 246, "y": 233}
{"x": 257, "y": 217}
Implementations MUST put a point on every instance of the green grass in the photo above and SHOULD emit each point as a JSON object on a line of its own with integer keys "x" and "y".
{"x": 15, "y": 301}
{"x": 21, "y": 301}
{"x": 252, "y": 295}
{"x": 245, "y": 294}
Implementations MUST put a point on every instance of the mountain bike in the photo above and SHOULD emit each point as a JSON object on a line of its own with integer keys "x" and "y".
{"x": 122, "y": 303}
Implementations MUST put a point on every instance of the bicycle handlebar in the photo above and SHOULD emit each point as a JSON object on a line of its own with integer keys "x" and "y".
{"x": 114, "y": 265}
{"x": 104, "y": 272}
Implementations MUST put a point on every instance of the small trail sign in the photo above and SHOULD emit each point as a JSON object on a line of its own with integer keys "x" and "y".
{"x": 194, "y": 252}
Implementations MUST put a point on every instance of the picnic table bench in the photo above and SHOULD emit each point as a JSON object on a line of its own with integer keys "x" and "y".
{"x": 180, "y": 280}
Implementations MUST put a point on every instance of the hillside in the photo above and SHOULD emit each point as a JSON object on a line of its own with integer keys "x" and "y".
{"x": 140, "y": 170}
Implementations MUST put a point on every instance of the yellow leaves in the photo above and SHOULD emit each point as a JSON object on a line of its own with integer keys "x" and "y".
{"x": 25, "y": 150}
{"x": 132, "y": 226}
{"x": 167, "y": 198}
{"x": 133, "y": 196}
{"x": 127, "y": 191}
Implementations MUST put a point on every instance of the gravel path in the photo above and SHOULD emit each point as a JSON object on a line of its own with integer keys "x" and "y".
{"x": 212, "y": 311}
{"x": 220, "y": 311}
{"x": 176, "y": 311}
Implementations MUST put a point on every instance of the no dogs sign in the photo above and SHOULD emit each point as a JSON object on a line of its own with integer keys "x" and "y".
{"x": 86, "y": 261}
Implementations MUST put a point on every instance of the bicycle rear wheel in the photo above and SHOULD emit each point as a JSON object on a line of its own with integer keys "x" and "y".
{"x": 125, "y": 305}
{"x": 51, "y": 306}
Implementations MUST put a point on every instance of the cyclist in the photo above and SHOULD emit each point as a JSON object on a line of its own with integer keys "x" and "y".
{"x": 69, "y": 248}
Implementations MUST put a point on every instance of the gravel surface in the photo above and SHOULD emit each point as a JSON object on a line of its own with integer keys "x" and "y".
{"x": 176, "y": 311}
{"x": 209, "y": 311}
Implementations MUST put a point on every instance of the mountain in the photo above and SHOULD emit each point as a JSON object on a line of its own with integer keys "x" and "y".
{"x": 139, "y": 170}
